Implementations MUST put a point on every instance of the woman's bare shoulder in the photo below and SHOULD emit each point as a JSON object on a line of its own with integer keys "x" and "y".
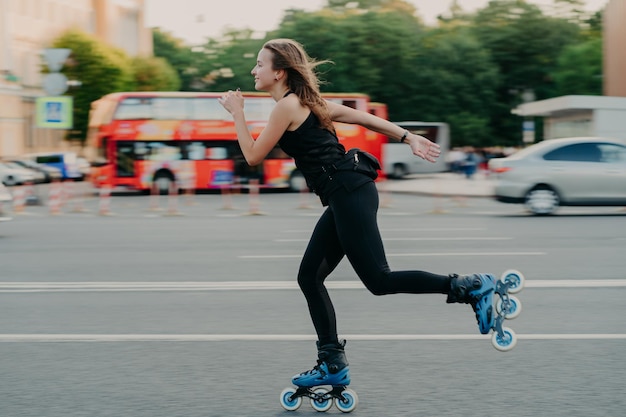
{"x": 291, "y": 107}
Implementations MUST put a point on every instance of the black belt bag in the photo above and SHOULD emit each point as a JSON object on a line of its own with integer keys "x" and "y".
{"x": 355, "y": 160}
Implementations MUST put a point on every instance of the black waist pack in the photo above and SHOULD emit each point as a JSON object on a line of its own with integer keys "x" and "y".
{"x": 356, "y": 160}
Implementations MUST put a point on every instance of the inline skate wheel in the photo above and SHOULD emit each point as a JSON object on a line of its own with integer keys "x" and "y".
{"x": 505, "y": 342}
{"x": 514, "y": 308}
{"x": 321, "y": 402}
{"x": 287, "y": 403}
{"x": 515, "y": 278}
{"x": 349, "y": 401}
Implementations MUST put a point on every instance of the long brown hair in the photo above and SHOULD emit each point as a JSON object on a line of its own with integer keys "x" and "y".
{"x": 290, "y": 56}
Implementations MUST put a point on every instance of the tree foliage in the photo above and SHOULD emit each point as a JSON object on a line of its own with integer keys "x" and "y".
{"x": 100, "y": 69}
{"x": 525, "y": 45}
{"x": 182, "y": 58}
{"x": 372, "y": 52}
{"x": 154, "y": 74}
{"x": 579, "y": 69}
{"x": 230, "y": 60}
{"x": 457, "y": 83}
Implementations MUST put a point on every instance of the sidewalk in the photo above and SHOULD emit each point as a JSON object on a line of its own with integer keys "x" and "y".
{"x": 444, "y": 184}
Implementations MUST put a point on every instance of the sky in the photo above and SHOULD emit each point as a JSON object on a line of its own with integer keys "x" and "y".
{"x": 195, "y": 20}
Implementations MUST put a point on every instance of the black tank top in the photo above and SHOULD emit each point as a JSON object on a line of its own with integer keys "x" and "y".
{"x": 312, "y": 147}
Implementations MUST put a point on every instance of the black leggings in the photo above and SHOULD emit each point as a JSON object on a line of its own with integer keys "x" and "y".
{"x": 349, "y": 227}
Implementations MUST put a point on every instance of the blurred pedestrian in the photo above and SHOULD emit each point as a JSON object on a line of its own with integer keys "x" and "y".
{"x": 454, "y": 159}
{"x": 470, "y": 164}
{"x": 301, "y": 123}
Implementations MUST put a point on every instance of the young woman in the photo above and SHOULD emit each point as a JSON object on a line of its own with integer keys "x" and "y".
{"x": 301, "y": 124}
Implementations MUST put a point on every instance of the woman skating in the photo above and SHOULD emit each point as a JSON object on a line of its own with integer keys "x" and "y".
{"x": 301, "y": 123}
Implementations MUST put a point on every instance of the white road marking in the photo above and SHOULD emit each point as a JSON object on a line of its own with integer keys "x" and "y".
{"x": 13, "y": 287}
{"x": 416, "y": 239}
{"x": 391, "y": 255}
{"x": 424, "y": 229}
{"x": 284, "y": 337}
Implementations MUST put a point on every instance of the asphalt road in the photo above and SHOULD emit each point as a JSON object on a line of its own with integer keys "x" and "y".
{"x": 192, "y": 310}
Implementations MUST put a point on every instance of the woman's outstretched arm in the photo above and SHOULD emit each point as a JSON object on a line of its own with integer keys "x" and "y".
{"x": 420, "y": 146}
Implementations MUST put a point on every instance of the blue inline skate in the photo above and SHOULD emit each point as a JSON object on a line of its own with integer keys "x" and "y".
{"x": 478, "y": 290}
{"x": 331, "y": 370}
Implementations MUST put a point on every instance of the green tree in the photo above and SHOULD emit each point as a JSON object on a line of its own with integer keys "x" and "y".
{"x": 457, "y": 83}
{"x": 187, "y": 62}
{"x": 579, "y": 69}
{"x": 524, "y": 43}
{"x": 154, "y": 74}
{"x": 594, "y": 25}
{"x": 99, "y": 68}
{"x": 230, "y": 60}
{"x": 372, "y": 52}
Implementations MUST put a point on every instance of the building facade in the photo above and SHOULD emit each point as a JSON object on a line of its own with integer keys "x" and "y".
{"x": 27, "y": 27}
{"x": 614, "y": 50}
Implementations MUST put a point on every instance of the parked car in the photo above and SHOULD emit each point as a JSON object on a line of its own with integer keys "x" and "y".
{"x": 50, "y": 173}
{"x": 5, "y": 201}
{"x": 65, "y": 161}
{"x": 13, "y": 174}
{"x": 581, "y": 171}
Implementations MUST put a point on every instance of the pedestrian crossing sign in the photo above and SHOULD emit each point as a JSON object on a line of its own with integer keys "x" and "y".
{"x": 55, "y": 112}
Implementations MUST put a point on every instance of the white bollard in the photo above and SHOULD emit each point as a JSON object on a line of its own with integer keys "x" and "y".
{"x": 104, "y": 204}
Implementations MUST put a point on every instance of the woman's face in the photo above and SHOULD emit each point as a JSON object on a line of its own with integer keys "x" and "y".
{"x": 264, "y": 75}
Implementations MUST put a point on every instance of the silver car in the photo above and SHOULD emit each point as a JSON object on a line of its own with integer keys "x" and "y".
{"x": 48, "y": 173}
{"x": 13, "y": 174}
{"x": 5, "y": 202}
{"x": 584, "y": 171}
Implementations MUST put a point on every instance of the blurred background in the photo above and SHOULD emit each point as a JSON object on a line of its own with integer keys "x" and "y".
{"x": 479, "y": 66}
{"x": 186, "y": 304}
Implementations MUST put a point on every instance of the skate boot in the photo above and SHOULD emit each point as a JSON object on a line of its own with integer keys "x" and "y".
{"x": 331, "y": 369}
{"x": 476, "y": 290}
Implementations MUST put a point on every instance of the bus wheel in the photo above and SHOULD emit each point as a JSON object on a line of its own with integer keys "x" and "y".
{"x": 163, "y": 182}
{"x": 297, "y": 181}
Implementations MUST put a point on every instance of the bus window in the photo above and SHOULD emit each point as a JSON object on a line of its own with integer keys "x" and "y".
{"x": 134, "y": 109}
{"x": 157, "y": 151}
{"x": 258, "y": 109}
{"x": 161, "y": 151}
{"x": 141, "y": 150}
{"x": 170, "y": 108}
{"x": 195, "y": 151}
{"x": 216, "y": 153}
{"x": 125, "y": 159}
{"x": 208, "y": 109}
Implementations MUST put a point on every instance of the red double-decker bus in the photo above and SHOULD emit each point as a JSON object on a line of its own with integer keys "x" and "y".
{"x": 141, "y": 140}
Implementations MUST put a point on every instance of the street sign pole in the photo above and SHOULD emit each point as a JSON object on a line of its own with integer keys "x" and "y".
{"x": 55, "y": 111}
